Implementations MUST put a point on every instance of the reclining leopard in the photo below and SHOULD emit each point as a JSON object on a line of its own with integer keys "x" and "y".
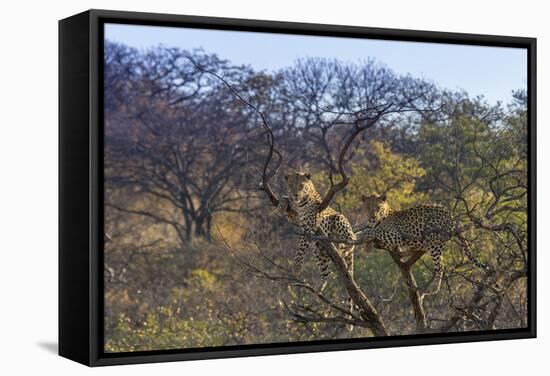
{"x": 425, "y": 227}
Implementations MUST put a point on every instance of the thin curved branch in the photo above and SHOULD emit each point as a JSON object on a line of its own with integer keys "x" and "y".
{"x": 270, "y": 137}
{"x": 369, "y": 122}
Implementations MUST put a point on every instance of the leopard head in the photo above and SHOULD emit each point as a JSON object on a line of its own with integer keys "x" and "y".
{"x": 299, "y": 186}
{"x": 375, "y": 207}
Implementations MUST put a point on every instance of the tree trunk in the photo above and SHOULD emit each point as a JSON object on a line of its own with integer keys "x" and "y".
{"x": 367, "y": 310}
{"x": 416, "y": 297}
{"x": 201, "y": 229}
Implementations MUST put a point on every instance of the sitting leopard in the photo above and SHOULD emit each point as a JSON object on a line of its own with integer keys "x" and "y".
{"x": 425, "y": 227}
{"x": 302, "y": 208}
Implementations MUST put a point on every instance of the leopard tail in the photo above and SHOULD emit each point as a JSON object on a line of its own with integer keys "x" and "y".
{"x": 468, "y": 252}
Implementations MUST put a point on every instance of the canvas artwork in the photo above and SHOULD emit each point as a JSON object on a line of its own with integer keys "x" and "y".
{"x": 269, "y": 188}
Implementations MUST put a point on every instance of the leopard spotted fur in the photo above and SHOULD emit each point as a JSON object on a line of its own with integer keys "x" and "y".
{"x": 425, "y": 227}
{"x": 302, "y": 208}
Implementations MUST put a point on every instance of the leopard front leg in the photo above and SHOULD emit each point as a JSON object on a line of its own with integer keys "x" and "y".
{"x": 347, "y": 251}
{"x": 323, "y": 261}
{"x": 299, "y": 258}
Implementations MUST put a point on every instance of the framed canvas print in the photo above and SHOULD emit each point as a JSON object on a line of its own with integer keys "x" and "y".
{"x": 239, "y": 187}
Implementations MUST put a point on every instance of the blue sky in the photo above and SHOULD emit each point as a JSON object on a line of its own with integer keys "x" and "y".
{"x": 489, "y": 71}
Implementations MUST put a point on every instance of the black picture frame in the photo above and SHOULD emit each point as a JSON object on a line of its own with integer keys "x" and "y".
{"x": 81, "y": 189}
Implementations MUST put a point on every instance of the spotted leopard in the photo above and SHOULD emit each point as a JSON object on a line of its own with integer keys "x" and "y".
{"x": 302, "y": 208}
{"x": 425, "y": 227}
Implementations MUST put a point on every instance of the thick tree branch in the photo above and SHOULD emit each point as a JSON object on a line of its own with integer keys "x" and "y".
{"x": 367, "y": 309}
{"x": 361, "y": 124}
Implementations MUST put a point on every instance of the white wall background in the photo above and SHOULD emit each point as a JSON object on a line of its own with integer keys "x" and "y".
{"x": 28, "y": 185}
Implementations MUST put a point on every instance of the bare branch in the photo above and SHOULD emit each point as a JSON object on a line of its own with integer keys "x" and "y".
{"x": 361, "y": 124}
{"x": 270, "y": 137}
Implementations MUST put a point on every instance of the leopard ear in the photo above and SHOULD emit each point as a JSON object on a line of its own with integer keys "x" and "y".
{"x": 307, "y": 175}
